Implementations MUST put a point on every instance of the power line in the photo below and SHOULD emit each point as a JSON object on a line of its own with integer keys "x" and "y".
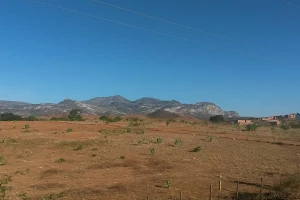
{"x": 173, "y": 23}
{"x": 145, "y": 29}
{"x": 292, "y": 4}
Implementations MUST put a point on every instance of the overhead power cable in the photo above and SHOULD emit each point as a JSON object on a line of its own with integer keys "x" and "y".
{"x": 174, "y": 23}
{"x": 145, "y": 29}
{"x": 292, "y": 4}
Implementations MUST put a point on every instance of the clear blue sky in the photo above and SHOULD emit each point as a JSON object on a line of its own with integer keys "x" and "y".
{"x": 48, "y": 54}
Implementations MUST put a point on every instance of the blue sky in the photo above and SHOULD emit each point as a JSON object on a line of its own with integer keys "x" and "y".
{"x": 48, "y": 54}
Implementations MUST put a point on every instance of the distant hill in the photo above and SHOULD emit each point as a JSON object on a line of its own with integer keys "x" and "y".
{"x": 117, "y": 105}
{"x": 163, "y": 114}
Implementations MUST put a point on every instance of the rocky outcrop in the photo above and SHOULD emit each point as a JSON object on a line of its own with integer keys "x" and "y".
{"x": 117, "y": 105}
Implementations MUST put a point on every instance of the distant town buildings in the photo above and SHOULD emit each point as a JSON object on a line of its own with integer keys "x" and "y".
{"x": 292, "y": 116}
{"x": 243, "y": 122}
{"x": 272, "y": 120}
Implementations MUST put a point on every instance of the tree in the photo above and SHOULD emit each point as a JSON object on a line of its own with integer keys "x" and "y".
{"x": 33, "y": 118}
{"x": 251, "y": 127}
{"x": 10, "y": 117}
{"x": 216, "y": 118}
{"x": 75, "y": 115}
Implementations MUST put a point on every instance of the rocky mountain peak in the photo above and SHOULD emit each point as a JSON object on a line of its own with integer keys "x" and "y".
{"x": 118, "y": 105}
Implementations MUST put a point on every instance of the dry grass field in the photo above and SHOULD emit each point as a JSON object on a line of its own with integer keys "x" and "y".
{"x": 132, "y": 160}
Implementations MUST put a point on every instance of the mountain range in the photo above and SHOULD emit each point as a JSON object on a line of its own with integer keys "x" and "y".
{"x": 116, "y": 105}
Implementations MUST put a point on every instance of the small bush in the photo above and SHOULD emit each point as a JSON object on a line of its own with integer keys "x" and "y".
{"x": 197, "y": 149}
{"x": 153, "y": 151}
{"x": 59, "y": 119}
{"x": 19, "y": 172}
{"x": 27, "y": 126}
{"x": 33, "y": 118}
{"x": 24, "y": 196}
{"x": 295, "y": 125}
{"x": 169, "y": 121}
{"x": 140, "y": 142}
{"x": 122, "y": 157}
{"x": 273, "y": 128}
{"x": 105, "y": 119}
{"x": 3, "y": 186}
{"x": 75, "y": 115}
{"x": 134, "y": 124}
{"x": 140, "y": 132}
{"x": 134, "y": 119}
{"x": 251, "y": 127}
{"x": 285, "y": 127}
{"x": 69, "y": 130}
{"x": 169, "y": 184}
{"x": 54, "y": 196}
{"x": 108, "y": 119}
{"x": 117, "y": 119}
{"x": 289, "y": 186}
{"x": 2, "y": 160}
{"x": 10, "y": 117}
{"x": 159, "y": 140}
{"x": 216, "y": 118}
{"x": 178, "y": 142}
{"x": 128, "y": 130}
{"x": 79, "y": 147}
{"x": 61, "y": 160}
{"x": 209, "y": 139}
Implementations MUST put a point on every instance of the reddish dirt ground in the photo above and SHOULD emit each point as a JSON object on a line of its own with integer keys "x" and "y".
{"x": 87, "y": 163}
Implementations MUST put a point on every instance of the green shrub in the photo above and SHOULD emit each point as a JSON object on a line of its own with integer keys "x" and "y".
{"x": 33, "y": 118}
{"x": 251, "y": 127}
{"x": 3, "y": 186}
{"x": 108, "y": 119}
{"x": 117, "y": 119}
{"x": 140, "y": 132}
{"x": 134, "y": 119}
{"x": 128, "y": 130}
{"x": 288, "y": 186}
{"x": 10, "y": 117}
{"x": 209, "y": 139}
{"x": 79, "y": 147}
{"x": 24, "y": 196}
{"x": 2, "y": 160}
{"x": 285, "y": 127}
{"x": 75, "y": 115}
{"x": 295, "y": 125}
{"x": 169, "y": 184}
{"x": 59, "y": 119}
{"x": 153, "y": 151}
{"x": 61, "y": 160}
{"x": 178, "y": 142}
{"x": 122, "y": 157}
{"x": 69, "y": 130}
{"x": 216, "y": 118}
{"x": 159, "y": 140}
{"x": 27, "y": 126}
{"x": 273, "y": 128}
{"x": 197, "y": 149}
{"x": 169, "y": 121}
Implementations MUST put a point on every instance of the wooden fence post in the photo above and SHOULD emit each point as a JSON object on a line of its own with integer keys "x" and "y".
{"x": 180, "y": 195}
{"x": 220, "y": 185}
{"x": 261, "y": 185}
{"x": 210, "y": 196}
{"x": 237, "y": 190}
